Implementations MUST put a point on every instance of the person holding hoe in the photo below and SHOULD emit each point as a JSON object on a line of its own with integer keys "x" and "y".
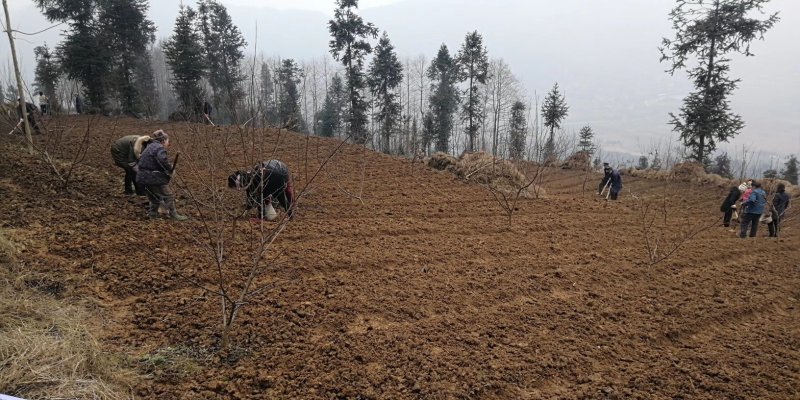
{"x": 155, "y": 172}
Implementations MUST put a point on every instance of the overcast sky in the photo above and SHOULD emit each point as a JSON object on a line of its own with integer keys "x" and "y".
{"x": 603, "y": 53}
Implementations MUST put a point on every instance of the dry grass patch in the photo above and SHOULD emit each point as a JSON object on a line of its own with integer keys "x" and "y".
{"x": 46, "y": 349}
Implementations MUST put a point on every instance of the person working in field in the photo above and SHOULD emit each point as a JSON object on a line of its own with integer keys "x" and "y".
{"x": 780, "y": 203}
{"x": 155, "y": 172}
{"x": 616, "y": 184}
{"x": 729, "y": 205}
{"x": 752, "y": 209}
{"x": 268, "y": 181}
{"x": 607, "y": 170}
{"x": 126, "y": 152}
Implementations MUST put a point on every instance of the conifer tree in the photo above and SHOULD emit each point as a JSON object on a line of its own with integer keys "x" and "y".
{"x": 790, "y": 170}
{"x": 349, "y": 45}
{"x": 224, "y": 51}
{"x": 385, "y": 75}
{"x": 586, "y": 136}
{"x": 443, "y": 102}
{"x": 82, "y": 54}
{"x": 473, "y": 65}
{"x": 644, "y": 163}
{"x": 554, "y": 109}
{"x": 722, "y": 166}
{"x": 184, "y": 54}
{"x": 47, "y": 73}
{"x": 334, "y": 108}
{"x": 288, "y": 96}
{"x": 126, "y": 33}
{"x": 267, "y": 96}
{"x": 707, "y": 31}
{"x": 518, "y": 131}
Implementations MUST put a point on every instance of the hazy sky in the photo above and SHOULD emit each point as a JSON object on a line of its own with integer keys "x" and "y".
{"x": 603, "y": 53}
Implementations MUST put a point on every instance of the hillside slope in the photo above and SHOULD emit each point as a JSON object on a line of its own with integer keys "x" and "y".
{"x": 397, "y": 281}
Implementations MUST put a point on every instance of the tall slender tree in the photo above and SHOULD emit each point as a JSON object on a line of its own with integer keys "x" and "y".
{"x": 126, "y": 33}
{"x": 385, "y": 75}
{"x": 554, "y": 110}
{"x": 82, "y": 54}
{"x": 224, "y": 53}
{"x": 707, "y": 31}
{"x": 443, "y": 73}
{"x": 789, "y": 171}
{"x": 47, "y": 74}
{"x": 266, "y": 96}
{"x": 184, "y": 54}
{"x": 288, "y": 96}
{"x": 350, "y": 46}
{"x": 334, "y": 108}
{"x": 518, "y": 131}
{"x": 586, "y": 140}
{"x": 473, "y": 65}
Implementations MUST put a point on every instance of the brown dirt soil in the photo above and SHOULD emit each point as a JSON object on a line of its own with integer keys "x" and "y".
{"x": 420, "y": 289}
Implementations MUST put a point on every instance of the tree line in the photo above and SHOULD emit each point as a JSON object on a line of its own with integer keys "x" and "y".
{"x": 457, "y": 101}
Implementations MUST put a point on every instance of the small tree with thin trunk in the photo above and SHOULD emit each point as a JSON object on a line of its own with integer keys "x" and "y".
{"x": 554, "y": 110}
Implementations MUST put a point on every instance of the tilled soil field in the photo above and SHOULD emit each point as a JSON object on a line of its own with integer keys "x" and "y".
{"x": 395, "y": 281}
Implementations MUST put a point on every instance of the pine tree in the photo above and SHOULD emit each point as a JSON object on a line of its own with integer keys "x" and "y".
{"x": 428, "y": 131}
{"x": 473, "y": 65}
{"x": 266, "y": 96}
{"x": 224, "y": 51}
{"x": 126, "y": 33}
{"x": 288, "y": 96}
{"x": 333, "y": 109}
{"x": 47, "y": 73}
{"x": 184, "y": 54}
{"x": 518, "y": 131}
{"x": 770, "y": 174}
{"x": 443, "y": 73}
{"x": 722, "y": 166}
{"x": 82, "y": 55}
{"x": 385, "y": 75}
{"x": 554, "y": 109}
{"x": 585, "y": 143}
{"x": 655, "y": 163}
{"x": 349, "y": 45}
{"x": 790, "y": 170}
{"x": 707, "y": 31}
{"x": 644, "y": 163}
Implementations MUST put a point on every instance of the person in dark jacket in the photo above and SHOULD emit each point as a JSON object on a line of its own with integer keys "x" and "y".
{"x": 729, "y": 205}
{"x": 607, "y": 170}
{"x": 616, "y": 184}
{"x": 780, "y": 203}
{"x": 752, "y": 209}
{"x": 126, "y": 152}
{"x": 155, "y": 172}
{"x": 31, "y": 110}
{"x": 207, "y": 109}
{"x": 267, "y": 181}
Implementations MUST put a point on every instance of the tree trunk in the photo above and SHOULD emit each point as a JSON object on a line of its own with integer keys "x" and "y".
{"x": 20, "y": 88}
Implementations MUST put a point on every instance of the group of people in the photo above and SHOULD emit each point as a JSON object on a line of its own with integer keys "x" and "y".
{"x": 148, "y": 171}
{"x": 755, "y": 208}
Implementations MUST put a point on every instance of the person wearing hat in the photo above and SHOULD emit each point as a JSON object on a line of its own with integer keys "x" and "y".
{"x": 267, "y": 181}
{"x": 607, "y": 171}
{"x": 752, "y": 208}
{"x": 126, "y": 152}
{"x": 155, "y": 172}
